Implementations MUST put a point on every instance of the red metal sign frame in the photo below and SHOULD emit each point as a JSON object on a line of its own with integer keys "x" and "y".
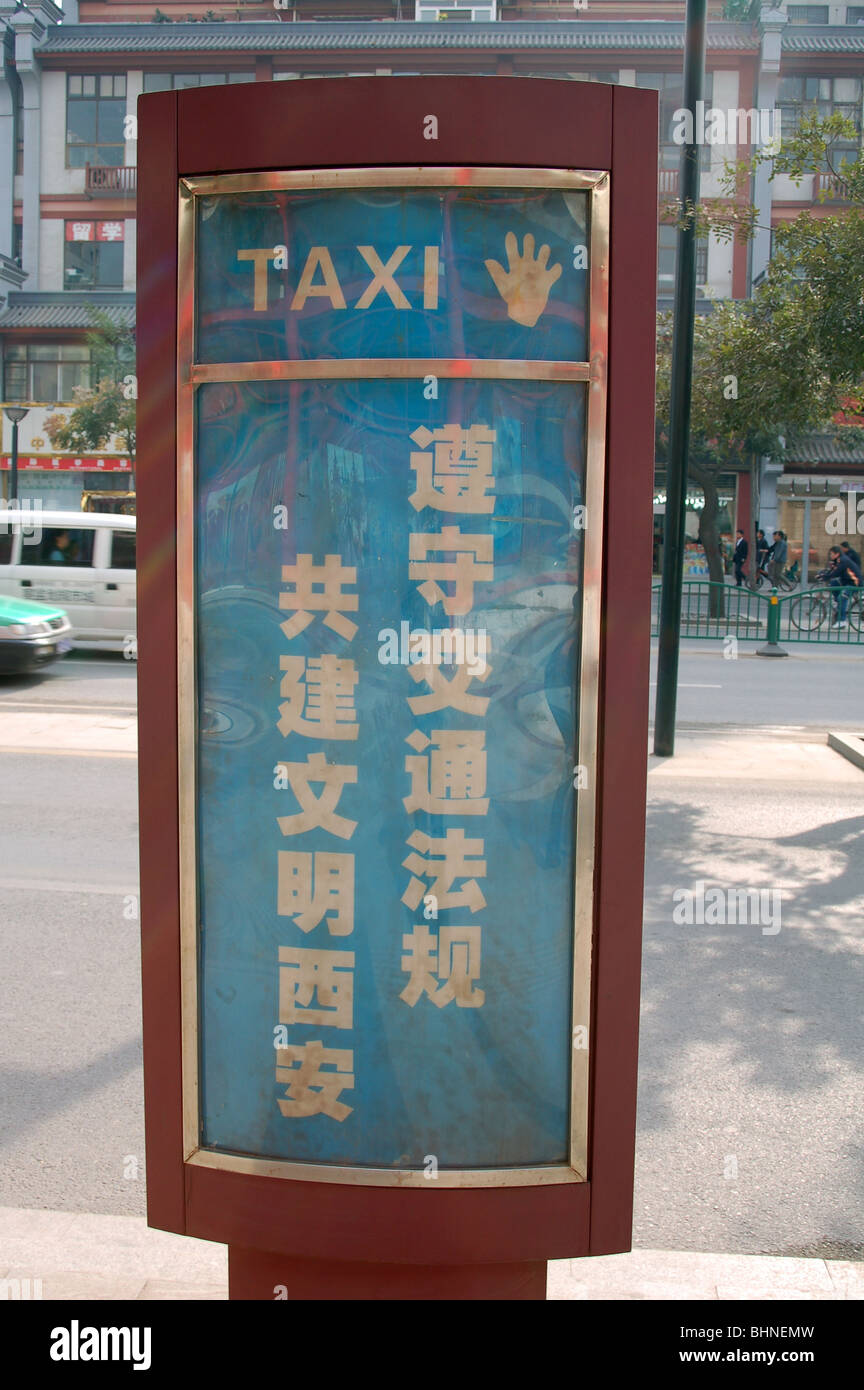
{"x": 336, "y": 123}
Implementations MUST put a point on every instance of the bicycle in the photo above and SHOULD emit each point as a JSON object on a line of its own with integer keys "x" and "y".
{"x": 812, "y": 610}
{"x": 789, "y": 579}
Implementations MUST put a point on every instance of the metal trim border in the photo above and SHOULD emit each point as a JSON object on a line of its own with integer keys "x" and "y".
{"x": 191, "y": 374}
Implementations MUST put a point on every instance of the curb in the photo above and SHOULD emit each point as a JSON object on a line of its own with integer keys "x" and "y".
{"x": 90, "y": 1257}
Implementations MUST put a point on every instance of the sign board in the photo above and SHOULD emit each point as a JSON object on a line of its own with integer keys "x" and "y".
{"x": 391, "y": 474}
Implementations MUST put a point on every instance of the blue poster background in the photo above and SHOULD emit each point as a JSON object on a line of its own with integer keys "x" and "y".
{"x": 473, "y": 1086}
{"x": 468, "y": 226}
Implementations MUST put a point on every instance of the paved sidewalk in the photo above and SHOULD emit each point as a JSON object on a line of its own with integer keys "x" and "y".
{"x": 50, "y": 731}
{"x": 79, "y": 1256}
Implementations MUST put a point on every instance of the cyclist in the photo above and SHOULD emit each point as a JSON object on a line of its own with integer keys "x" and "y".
{"x": 779, "y": 551}
{"x": 842, "y": 574}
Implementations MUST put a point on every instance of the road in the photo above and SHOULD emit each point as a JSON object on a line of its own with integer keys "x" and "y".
{"x": 71, "y": 1112}
{"x": 750, "y": 1064}
{"x": 814, "y": 687}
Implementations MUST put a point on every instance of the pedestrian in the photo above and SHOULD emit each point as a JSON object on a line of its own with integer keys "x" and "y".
{"x": 762, "y": 549}
{"x": 739, "y": 557}
{"x": 779, "y": 551}
{"x": 852, "y": 554}
{"x": 843, "y": 574}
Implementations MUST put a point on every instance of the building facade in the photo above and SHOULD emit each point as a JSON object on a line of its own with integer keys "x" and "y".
{"x": 71, "y": 79}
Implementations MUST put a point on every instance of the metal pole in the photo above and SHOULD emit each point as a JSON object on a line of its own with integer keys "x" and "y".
{"x": 805, "y": 548}
{"x": 13, "y": 476}
{"x": 679, "y": 401}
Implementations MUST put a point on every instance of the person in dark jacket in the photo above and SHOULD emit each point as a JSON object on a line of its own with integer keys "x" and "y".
{"x": 762, "y": 549}
{"x": 779, "y": 551}
{"x": 843, "y": 574}
{"x": 739, "y": 557}
{"x": 852, "y": 554}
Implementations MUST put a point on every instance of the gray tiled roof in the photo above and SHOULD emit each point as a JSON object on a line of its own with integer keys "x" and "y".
{"x": 44, "y": 310}
{"x": 824, "y": 38}
{"x": 821, "y": 448}
{"x": 257, "y": 36}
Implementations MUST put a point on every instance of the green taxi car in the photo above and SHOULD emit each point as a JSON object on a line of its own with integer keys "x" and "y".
{"x": 31, "y": 634}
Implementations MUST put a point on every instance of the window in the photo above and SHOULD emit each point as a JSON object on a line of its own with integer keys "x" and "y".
{"x": 61, "y": 548}
{"x": 166, "y": 81}
{"x": 592, "y": 76}
{"x": 822, "y": 95}
{"x": 855, "y": 14}
{"x": 95, "y": 108}
{"x": 123, "y": 550}
{"x": 666, "y": 254}
{"x": 670, "y": 85}
{"x": 45, "y": 371}
{"x": 6, "y": 539}
{"x": 94, "y": 255}
{"x": 807, "y": 14}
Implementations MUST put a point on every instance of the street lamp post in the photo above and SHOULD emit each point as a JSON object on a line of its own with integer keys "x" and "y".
{"x": 16, "y": 414}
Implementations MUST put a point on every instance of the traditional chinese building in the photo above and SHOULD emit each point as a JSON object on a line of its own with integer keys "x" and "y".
{"x": 68, "y": 92}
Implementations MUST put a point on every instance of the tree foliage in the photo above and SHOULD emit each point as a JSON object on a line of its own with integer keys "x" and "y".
{"x": 790, "y": 359}
{"x": 106, "y": 408}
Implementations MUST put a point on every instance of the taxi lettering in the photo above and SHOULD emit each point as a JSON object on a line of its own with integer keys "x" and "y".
{"x": 319, "y": 280}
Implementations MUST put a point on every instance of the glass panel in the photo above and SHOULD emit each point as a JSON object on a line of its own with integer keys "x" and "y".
{"x": 187, "y": 79}
{"x": 212, "y": 79}
{"x": 81, "y": 122}
{"x": 123, "y": 550}
{"x": 336, "y": 305}
{"x": 74, "y": 86}
{"x": 483, "y": 1082}
{"x": 79, "y": 264}
{"x": 74, "y": 352}
{"x": 15, "y": 387}
{"x": 43, "y": 352}
{"x": 241, "y": 77}
{"x": 71, "y": 375}
{"x": 89, "y": 86}
{"x": 120, "y": 85}
{"x": 44, "y": 381}
{"x": 110, "y": 265}
{"x": 157, "y": 81}
{"x": 16, "y": 352}
{"x": 61, "y": 547}
{"x": 110, "y": 122}
{"x": 106, "y": 85}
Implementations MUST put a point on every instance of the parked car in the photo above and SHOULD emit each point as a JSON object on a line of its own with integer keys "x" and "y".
{"x": 84, "y": 561}
{"x": 31, "y": 634}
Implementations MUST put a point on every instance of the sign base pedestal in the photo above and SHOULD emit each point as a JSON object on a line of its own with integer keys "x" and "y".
{"x": 265, "y": 1275}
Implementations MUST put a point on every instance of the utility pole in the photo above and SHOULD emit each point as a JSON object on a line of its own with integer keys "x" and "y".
{"x": 679, "y": 400}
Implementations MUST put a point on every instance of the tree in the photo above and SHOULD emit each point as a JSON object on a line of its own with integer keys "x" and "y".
{"x": 756, "y": 380}
{"x": 742, "y": 9}
{"x": 790, "y": 359}
{"x": 107, "y": 407}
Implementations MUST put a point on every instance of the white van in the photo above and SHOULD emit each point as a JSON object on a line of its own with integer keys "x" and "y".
{"x": 81, "y": 561}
